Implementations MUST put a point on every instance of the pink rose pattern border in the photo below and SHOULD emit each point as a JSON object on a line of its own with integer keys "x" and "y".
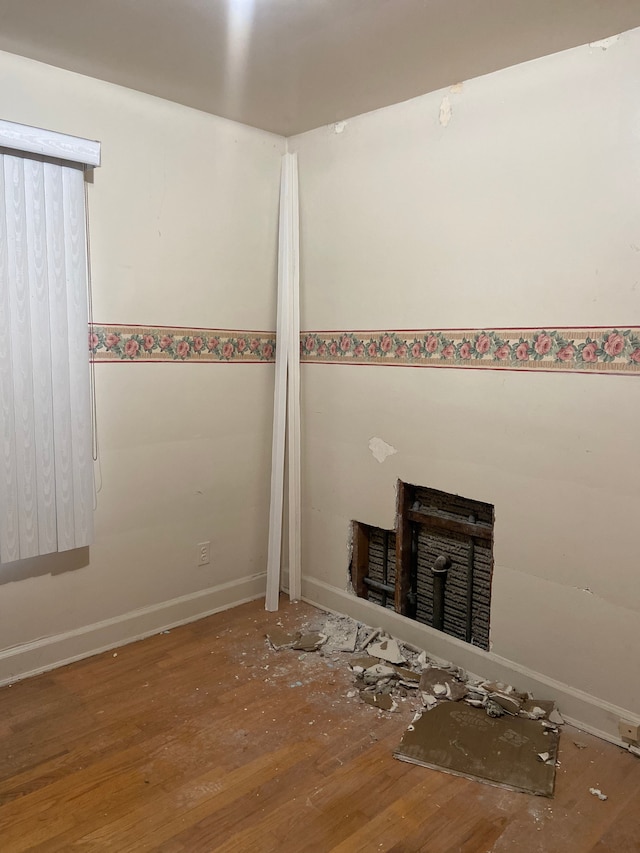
{"x": 601, "y": 350}
{"x": 142, "y": 344}
{"x": 594, "y": 350}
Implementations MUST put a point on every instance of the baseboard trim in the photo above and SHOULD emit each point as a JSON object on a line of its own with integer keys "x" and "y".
{"x": 27, "y": 659}
{"x": 580, "y": 709}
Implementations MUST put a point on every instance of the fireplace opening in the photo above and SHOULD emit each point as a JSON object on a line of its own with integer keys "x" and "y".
{"x": 436, "y": 567}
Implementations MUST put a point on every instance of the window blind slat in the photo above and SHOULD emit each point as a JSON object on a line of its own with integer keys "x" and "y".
{"x": 78, "y": 353}
{"x": 59, "y": 336}
{"x": 19, "y": 309}
{"x": 9, "y": 528}
{"x": 41, "y": 354}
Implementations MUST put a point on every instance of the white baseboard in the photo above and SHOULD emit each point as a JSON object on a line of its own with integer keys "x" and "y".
{"x": 26, "y": 659}
{"x": 580, "y": 709}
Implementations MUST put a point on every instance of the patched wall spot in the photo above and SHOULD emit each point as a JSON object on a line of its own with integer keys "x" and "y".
{"x": 380, "y": 449}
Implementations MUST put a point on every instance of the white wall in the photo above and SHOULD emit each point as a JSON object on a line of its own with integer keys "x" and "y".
{"x": 183, "y": 232}
{"x": 524, "y": 210}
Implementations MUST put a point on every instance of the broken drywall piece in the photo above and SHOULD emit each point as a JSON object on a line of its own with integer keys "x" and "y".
{"x": 534, "y": 712}
{"x": 445, "y": 111}
{"x": 309, "y": 642}
{"x": 429, "y": 701}
{"x": 500, "y": 687}
{"x": 580, "y": 744}
{"x": 510, "y": 702}
{"x": 598, "y": 793}
{"x": 387, "y": 650}
{"x": 412, "y": 658}
{"x": 537, "y": 709}
{"x": 441, "y": 684}
{"x": 280, "y": 639}
{"x": 464, "y": 741}
{"x": 342, "y": 634}
{"x": 415, "y": 650}
{"x": 441, "y": 663}
{"x": 359, "y": 664}
{"x": 377, "y": 672}
{"x": 556, "y": 718}
{"x": 407, "y": 675}
{"x": 379, "y": 700}
{"x": 369, "y": 638}
{"x": 476, "y": 691}
{"x": 380, "y": 449}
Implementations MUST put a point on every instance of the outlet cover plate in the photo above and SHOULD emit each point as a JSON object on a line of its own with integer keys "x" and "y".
{"x": 204, "y": 550}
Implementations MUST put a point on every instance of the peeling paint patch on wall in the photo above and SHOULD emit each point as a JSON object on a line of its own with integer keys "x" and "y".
{"x": 604, "y": 44}
{"x": 445, "y": 111}
{"x": 380, "y": 449}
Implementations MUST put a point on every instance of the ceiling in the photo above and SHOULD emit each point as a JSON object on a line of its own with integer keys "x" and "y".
{"x": 292, "y": 65}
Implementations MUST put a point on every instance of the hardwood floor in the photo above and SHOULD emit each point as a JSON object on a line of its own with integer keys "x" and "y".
{"x": 203, "y": 739}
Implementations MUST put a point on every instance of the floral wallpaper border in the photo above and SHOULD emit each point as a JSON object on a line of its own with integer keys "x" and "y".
{"x": 588, "y": 350}
{"x": 592, "y": 350}
{"x": 164, "y": 343}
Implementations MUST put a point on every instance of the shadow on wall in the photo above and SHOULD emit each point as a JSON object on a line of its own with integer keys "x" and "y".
{"x": 49, "y": 564}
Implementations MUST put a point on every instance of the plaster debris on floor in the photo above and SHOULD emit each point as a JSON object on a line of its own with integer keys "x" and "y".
{"x": 465, "y": 725}
{"x": 308, "y": 642}
{"x": 598, "y": 793}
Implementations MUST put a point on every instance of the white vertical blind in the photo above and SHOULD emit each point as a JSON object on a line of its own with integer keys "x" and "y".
{"x": 46, "y": 472}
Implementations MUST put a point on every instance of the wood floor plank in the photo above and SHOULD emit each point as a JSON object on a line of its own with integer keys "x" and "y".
{"x": 160, "y": 827}
{"x": 204, "y": 739}
{"x": 622, "y": 834}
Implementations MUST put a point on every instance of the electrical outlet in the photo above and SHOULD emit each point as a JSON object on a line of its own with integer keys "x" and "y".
{"x": 203, "y": 553}
{"x": 629, "y": 732}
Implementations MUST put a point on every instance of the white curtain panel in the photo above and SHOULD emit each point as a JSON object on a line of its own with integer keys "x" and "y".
{"x": 46, "y": 469}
